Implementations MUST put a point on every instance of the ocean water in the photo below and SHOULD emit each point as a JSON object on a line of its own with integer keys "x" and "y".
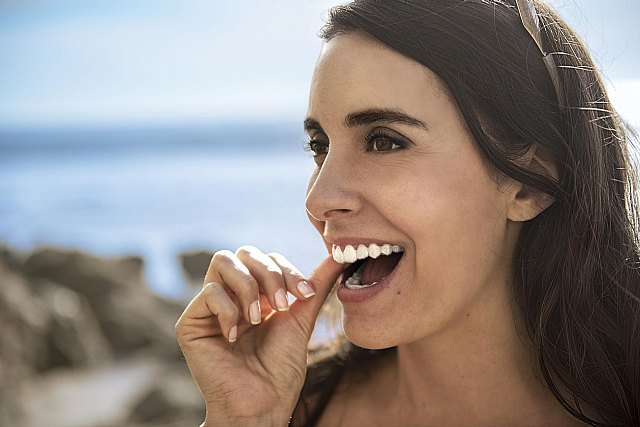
{"x": 157, "y": 191}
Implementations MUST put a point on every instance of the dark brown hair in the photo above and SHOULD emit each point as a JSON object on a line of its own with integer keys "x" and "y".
{"x": 577, "y": 265}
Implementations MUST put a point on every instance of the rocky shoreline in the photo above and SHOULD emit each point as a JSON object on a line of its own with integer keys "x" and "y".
{"x": 86, "y": 343}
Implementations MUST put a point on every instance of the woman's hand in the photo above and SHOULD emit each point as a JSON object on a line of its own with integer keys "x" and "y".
{"x": 245, "y": 347}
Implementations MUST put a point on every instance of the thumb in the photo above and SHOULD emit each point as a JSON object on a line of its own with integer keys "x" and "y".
{"x": 322, "y": 279}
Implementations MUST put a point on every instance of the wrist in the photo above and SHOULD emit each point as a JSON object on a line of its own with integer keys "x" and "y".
{"x": 274, "y": 419}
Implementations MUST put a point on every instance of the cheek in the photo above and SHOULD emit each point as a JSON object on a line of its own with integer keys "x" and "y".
{"x": 454, "y": 215}
{"x": 454, "y": 197}
{"x": 453, "y": 218}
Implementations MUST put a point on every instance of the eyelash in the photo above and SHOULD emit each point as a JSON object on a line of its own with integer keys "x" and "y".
{"x": 311, "y": 144}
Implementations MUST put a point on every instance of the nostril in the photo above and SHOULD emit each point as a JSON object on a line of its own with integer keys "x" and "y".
{"x": 336, "y": 212}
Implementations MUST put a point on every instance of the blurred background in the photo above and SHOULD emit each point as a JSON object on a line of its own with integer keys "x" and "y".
{"x": 137, "y": 137}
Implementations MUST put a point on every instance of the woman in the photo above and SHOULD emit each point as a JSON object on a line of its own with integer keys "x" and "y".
{"x": 475, "y": 191}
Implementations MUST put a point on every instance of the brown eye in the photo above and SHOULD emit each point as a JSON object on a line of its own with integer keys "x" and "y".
{"x": 318, "y": 147}
{"x": 383, "y": 144}
{"x": 317, "y": 144}
{"x": 383, "y": 140}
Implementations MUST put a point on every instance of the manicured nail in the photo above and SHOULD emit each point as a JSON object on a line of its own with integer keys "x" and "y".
{"x": 281, "y": 300}
{"x": 254, "y": 312}
{"x": 305, "y": 289}
{"x": 233, "y": 334}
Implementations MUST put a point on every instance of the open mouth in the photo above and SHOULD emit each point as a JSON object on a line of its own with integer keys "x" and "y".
{"x": 368, "y": 272}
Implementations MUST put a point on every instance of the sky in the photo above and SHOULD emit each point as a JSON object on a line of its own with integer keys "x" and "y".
{"x": 81, "y": 62}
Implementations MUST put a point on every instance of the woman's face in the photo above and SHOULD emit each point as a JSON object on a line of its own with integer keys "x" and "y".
{"x": 416, "y": 181}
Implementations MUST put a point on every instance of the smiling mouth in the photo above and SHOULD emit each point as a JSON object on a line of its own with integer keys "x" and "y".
{"x": 369, "y": 271}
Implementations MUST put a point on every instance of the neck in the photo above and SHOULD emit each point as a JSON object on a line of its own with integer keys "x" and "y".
{"x": 478, "y": 368}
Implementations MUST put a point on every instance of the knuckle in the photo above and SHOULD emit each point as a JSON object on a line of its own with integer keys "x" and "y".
{"x": 246, "y": 249}
{"x": 275, "y": 276}
{"x": 221, "y": 257}
{"x": 251, "y": 284}
{"x": 283, "y": 262}
{"x": 208, "y": 289}
{"x": 230, "y": 313}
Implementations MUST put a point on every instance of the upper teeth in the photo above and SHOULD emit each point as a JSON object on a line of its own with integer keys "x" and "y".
{"x": 350, "y": 254}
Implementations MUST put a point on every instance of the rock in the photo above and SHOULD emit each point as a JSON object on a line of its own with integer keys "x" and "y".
{"x": 91, "y": 396}
{"x": 23, "y": 322}
{"x": 11, "y": 258}
{"x": 130, "y": 315}
{"x": 137, "y": 319}
{"x": 174, "y": 398}
{"x": 155, "y": 405}
{"x": 42, "y": 330}
{"x": 194, "y": 266}
{"x": 45, "y": 325}
{"x": 73, "y": 335}
{"x": 84, "y": 342}
{"x": 85, "y": 273}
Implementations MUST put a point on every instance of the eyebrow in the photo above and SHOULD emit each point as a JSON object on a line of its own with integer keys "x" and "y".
{"x": 370, "y": 116}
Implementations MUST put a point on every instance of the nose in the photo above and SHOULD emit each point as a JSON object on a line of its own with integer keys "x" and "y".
{"x": 333, "y": 191}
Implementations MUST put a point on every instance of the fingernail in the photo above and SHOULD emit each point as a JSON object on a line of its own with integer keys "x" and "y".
{"x": 281, "y": 300}
{"x": 254, "y": 312}
{"x": 305, "y": 289}
{"x": 233, "y": 334}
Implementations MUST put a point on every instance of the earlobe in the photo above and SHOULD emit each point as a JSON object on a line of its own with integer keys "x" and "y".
{"x": 524, "y": 201}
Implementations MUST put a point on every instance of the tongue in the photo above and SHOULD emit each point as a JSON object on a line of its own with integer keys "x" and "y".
{"x": 377, "y": 269}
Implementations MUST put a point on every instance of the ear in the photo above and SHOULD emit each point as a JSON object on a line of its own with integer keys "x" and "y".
{"x": 524, "y": 202}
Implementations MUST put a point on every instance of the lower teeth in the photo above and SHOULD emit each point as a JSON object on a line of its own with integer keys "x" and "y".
{"x": 353, "y": 282}
{"x": 354, "y": 286}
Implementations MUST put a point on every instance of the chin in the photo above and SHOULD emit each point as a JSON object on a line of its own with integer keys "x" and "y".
{"x": 368, "y": 336}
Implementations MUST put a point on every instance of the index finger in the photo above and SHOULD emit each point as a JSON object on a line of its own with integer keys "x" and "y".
{"x": 293, "y": 278}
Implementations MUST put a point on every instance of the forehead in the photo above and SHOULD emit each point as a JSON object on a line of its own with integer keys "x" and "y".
{"x": 356, "y": 71}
